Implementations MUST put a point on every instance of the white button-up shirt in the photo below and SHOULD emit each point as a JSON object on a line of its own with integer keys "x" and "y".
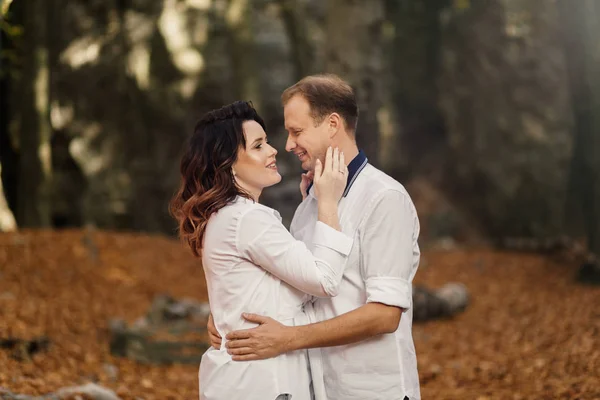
{"x": 379, "y": 214}
{"x": 253, "y": 264}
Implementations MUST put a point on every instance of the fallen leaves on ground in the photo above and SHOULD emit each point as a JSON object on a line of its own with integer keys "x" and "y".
{"x": 529, "y": 332}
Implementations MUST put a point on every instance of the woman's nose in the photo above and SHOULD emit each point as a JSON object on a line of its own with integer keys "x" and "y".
{"x": 274, "y": 150}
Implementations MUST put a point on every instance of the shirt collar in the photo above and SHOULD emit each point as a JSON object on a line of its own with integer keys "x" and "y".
{"x": 356, "y": 165}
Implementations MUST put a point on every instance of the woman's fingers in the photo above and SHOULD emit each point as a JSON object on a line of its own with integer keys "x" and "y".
{"x": 215, "y": 341}
{"x": 335, "y": 167}
{"x": 214, "y": 336}
{"x": 329, "y": 159}
{"x": 318, "y": 171}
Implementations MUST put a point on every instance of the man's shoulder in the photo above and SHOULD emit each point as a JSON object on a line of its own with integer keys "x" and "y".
{"x": 374, "y": 183}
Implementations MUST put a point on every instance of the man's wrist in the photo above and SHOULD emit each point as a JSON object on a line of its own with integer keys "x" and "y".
{"x": 292, "y": 341}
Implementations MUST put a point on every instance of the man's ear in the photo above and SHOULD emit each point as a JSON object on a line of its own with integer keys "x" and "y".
{"x": 335, "y": 124}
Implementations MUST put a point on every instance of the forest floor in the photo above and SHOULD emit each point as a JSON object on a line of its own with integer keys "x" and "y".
{"x": 530, "y": 332}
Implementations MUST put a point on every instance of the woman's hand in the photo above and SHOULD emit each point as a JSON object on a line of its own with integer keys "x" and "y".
{"x": 213, "y": 334}
{"x": 307, "y": 178}
{"x": 330, "y": 179}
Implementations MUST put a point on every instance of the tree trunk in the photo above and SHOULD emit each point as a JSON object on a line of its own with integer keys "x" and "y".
{"x": 7, "y": 219}
{"x": 34, "y": 140}
{"x": 412, "y": 56}
{"x": 302, "y": 54}
{"x": 354, "y": 52}
{"x": 582, "y": 29}
{"x": 238, "y": 18}
{"x": 9, "y": 157}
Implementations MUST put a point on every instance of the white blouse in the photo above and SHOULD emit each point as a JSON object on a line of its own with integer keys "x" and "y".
{"x": 253, "y": 264}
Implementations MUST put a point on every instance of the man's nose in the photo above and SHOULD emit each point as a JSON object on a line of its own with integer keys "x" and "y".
{"x": 290, "y": 144}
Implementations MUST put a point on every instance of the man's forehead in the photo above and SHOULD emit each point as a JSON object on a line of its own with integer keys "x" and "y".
{"x": 296, "y": 112}
{"x": 297, "y": 104}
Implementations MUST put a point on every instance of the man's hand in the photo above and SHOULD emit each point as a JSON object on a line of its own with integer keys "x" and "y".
{"x": 267, "y": 340}
{"x": 213, "y": 334}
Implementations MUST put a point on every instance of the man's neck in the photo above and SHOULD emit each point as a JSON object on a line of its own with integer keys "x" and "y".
{"x": 350, "y": 150}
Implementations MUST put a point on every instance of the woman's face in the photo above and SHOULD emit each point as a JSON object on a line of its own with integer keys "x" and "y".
{"x": 255, "y": 167}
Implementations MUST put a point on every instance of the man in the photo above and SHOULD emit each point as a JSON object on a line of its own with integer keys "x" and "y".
{"x": 360, "y": 342}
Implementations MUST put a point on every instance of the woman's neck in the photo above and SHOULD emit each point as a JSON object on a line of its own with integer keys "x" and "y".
{"x": 255, "y": 195}
{"x": 253, "y": 192}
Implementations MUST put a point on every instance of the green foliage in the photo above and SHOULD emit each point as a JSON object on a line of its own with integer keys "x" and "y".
{"x": 4, "y": 6}
{"x": 8, "y": 56}
{"x": 11, "y": 30}
{"x": 461, "y": 4}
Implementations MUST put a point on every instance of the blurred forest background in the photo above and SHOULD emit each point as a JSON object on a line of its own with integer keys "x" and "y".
{"x": 490, "y": 107}
{"x": 488, "y": 111}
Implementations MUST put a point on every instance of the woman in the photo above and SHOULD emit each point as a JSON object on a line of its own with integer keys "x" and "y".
{"x": 251, "y": 262}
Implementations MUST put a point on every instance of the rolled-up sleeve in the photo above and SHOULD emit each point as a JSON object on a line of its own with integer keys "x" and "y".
{"x": 326, "y": 236}
{"x": 264, "y": 240}
{"x": 389, "y": 250}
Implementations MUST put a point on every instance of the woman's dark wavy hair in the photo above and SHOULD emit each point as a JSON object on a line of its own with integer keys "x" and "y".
{"x": 207, "y": 182}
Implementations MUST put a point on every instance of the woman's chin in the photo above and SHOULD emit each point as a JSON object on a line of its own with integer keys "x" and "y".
{"x": 275, "y": 180}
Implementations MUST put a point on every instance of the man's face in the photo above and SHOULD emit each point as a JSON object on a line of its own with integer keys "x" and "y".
{"x": 307, "y": 141}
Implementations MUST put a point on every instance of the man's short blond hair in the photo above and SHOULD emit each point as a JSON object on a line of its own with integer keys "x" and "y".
{"x": 326, "y": 94}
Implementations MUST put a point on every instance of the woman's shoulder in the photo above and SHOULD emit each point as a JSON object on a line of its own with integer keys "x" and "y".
{"x": 254, "y": 210}
{"x": 242, "y": 208}
{"x": 242, "y": 218}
